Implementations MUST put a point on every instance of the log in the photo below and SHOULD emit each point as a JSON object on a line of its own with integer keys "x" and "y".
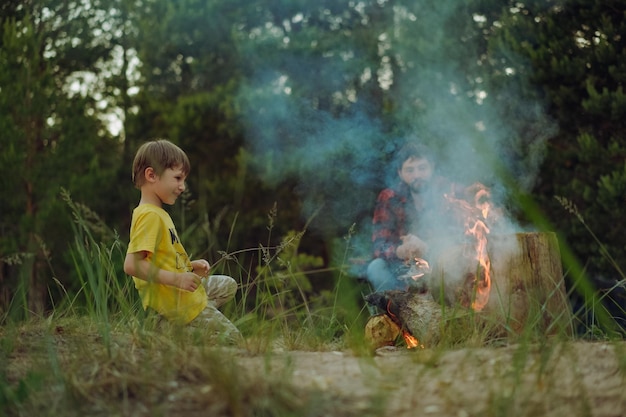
{"x": 381, "y": 330}
{"x": 527, "y": 289}
{"x": 413, "y": 310}
{"x": 526, "y": 296}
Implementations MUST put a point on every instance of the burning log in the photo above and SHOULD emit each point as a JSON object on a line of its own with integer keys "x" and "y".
{"x": 525, "y": 281}
{"x": 525, "y": 289}
{"x": 413, "y": 311}
{"x": 515, "y": 277}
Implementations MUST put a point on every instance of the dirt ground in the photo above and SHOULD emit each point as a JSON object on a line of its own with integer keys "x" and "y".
{"x": 556, "y": 379}
{"x": 566, "y": 379}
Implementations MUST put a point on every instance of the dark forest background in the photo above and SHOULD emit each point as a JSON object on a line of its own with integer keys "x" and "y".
{"x": 290, "y": 111}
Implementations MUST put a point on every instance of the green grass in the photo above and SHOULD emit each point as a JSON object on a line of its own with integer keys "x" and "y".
{"x": 99, "y": 353}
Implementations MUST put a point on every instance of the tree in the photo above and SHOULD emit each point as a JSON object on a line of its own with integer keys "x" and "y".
{"x": 51, "y": 137}
{"x": 574, "y": 52}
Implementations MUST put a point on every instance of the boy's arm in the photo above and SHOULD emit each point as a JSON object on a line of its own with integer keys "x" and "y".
{"x": 138, "y": 266}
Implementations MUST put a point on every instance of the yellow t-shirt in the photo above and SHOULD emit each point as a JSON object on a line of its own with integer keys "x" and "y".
{"x": 152, "y": 230}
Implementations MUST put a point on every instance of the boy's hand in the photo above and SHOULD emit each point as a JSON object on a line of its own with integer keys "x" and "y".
{"x": 188, "y": 281}
{"x": 201, "y": 267}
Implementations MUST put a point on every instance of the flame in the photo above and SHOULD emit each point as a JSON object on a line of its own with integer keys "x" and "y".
{"x": 482, "y": 286}
{"x": 475, "y": 226}
{"x": 420, "y": 268}
{"x": 481, "y": 201}
{"x": 409, "y": 339}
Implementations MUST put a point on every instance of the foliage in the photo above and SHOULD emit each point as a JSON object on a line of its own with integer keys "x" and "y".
{"x": 303, "y": 103}
{"x": 574, "y": 52}
{"x": 51, "y": 135}
{"x": 292, "y": 105}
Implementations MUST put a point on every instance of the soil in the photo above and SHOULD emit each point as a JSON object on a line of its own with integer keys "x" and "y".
{"x": 554, "y": 379}
{"x": 566, "y": 379}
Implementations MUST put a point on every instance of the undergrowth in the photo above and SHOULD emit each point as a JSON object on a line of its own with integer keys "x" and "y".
{"x": 99, "y": 353}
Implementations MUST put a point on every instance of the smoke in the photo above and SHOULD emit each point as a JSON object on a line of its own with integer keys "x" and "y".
{"x": 335, "y": 160}
{"x": 315, "y": 118}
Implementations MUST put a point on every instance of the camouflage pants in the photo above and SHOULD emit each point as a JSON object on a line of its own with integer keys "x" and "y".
{"x": 220, "y": 289}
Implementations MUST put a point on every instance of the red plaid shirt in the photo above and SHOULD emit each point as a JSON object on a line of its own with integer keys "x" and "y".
{"x": 396, "y": 215}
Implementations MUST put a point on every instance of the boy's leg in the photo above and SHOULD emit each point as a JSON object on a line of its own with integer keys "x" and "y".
{"x": 219, "y": 289}
{"x": 212, "y": 320}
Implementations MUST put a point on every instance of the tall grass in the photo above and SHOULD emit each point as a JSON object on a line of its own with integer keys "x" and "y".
{"x": 99, "y": 353}
{"x": 594, "y": 316}
{"x": 103, "y": 347}
{"x": 104, "y": 289}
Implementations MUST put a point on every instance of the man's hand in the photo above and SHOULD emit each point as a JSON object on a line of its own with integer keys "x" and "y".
{"x": 411, "y": 247}
{"x": 201, "y": 267}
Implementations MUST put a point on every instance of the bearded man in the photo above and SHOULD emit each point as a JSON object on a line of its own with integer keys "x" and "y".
{"x": 410, "y": 218}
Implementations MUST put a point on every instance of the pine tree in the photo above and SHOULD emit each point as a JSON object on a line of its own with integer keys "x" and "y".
{"x": 50, "y": 137}
{"x": 575, "y": 51}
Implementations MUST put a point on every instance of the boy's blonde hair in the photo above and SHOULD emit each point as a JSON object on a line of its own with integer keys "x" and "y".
{"x": 160, "y": 155}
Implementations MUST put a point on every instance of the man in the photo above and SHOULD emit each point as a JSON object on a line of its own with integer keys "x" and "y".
{"x": 409, "y": 218}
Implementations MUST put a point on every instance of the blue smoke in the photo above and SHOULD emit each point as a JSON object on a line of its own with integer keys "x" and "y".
{"x": 338, "y": 151}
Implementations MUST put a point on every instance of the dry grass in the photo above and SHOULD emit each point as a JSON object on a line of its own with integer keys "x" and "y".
{"x": 63, "y": 367}
{"x": 98, "y": 356}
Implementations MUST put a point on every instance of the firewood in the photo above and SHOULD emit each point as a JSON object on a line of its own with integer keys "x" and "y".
{"x": 526, "y": 292}
{"x": 413, "y": 310}
{"x": 381, "y": 330}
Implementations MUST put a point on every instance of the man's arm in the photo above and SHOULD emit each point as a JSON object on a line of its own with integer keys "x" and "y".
{"x": 385, "y": 234}
{"x": 137, "y": 265}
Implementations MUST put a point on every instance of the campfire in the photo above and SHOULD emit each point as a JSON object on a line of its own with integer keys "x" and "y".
{"x": 475, "y": 221}
{"x": 524, "y": 267}
{"x": 409, "y": 339}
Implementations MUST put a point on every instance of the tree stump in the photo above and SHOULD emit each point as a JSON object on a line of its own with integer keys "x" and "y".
{"x": 526, "y": 283}
{"x": 526, "y": 294}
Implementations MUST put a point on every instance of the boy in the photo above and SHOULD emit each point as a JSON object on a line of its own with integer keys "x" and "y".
{"x": 168, "y": 282}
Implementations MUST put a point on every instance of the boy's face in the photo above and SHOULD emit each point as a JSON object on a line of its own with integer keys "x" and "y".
{"x": 416, "y": 173}
{"x": 170, "y": 184}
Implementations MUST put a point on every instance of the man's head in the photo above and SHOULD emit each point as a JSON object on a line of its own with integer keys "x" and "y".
{"x": 415, "y": 166}
{"x": 159, "y": 155}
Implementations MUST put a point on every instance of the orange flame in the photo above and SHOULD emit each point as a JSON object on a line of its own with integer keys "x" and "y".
{"x": 410, "y": 340}
{"x": 482, "y": 203}
{"x": 475, "y": 226}
{"x": 483, "y": 287}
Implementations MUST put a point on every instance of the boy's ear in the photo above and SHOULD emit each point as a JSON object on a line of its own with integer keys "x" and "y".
{"x": 149, "y": 174}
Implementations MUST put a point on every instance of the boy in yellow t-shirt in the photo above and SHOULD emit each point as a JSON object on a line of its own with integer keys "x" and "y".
{"x": 179, "y": 289}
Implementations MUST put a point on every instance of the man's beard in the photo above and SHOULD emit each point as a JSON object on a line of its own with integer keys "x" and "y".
{"x": 419, "y": 186}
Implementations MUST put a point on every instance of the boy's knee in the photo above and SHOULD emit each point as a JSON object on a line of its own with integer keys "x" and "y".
{"x": 220, "y": 287}
{"x": 229, "y": 284}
